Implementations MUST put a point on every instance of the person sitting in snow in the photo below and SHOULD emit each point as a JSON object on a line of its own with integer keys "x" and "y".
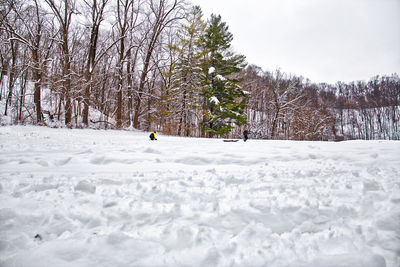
{"x": 153, "y": 136}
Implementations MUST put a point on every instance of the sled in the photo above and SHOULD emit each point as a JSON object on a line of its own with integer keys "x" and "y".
{"x": 230, "y": 140}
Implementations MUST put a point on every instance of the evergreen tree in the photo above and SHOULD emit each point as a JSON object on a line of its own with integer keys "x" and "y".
{"x": 184, "y": 94}
{"x": 225, "y": 101}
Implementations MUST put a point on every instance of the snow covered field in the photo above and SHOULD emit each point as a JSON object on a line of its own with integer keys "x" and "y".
{"x": 87, "y": 198}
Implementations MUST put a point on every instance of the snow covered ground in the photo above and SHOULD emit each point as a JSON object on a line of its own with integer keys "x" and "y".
{"x": 113, "y": 198}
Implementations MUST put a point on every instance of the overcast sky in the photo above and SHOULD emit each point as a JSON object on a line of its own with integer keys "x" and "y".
{"x": 323, "y": 40}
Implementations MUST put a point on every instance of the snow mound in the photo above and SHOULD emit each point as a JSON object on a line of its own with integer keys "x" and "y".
{"x": 350, "y": 260}
{"x": 86, "y": 186}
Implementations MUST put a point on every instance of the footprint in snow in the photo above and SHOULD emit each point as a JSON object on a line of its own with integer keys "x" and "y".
{"x": 87, "y": 151}
{"x": 374, "y": 155}
{"x": 152, "y": 151}
{"x": 62, "y": 162}
{"x": 43, "y": 163}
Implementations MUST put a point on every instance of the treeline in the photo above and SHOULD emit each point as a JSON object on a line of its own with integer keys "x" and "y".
{"x": 284, "y": 106}
{"x": 160, "y": 65}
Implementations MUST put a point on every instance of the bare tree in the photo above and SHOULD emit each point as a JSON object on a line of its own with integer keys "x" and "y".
{"x": 37, "y": 40}
{"x": 161, "y": 14}
{"x": 63, "y": 11}
{"x": 96, "y": 10}
{"x": 12, "y": 73}
{"x": 286, "y": 96}
{"x": 127, "y": 15}
{"x": 10, "y": 21}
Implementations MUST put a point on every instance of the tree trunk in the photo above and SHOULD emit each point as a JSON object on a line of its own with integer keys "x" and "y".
{"x": 37, "y": 76}
{"x": 275, "y": 125}
{"x": 67, "y": 91}
{"x": 3, "y": 73}
{"x": 120, "y": 81}
{"x": 11, "y": 76}
{"x": 22, "y": 95}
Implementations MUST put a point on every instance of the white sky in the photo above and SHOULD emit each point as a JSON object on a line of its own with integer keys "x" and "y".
{"x": 323, "y": 40}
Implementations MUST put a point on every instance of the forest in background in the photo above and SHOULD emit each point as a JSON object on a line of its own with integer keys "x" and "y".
{"x": 160, "y": 65}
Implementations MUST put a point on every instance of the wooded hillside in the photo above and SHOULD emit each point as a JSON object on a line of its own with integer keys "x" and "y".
{"x": 160, "y": 65}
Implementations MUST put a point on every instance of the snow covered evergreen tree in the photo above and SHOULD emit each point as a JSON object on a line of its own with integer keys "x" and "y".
{"x": 184, "y": 96}
{"x": 225, "y": 101}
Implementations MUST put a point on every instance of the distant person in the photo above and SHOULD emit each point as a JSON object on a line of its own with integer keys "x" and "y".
{"x": 245, "y": 135}
{"x": 153, "y": 136}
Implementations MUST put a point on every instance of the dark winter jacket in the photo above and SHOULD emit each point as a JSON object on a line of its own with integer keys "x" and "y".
{"x": 153, "y": 136}
{"x": 245, "y": 135}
